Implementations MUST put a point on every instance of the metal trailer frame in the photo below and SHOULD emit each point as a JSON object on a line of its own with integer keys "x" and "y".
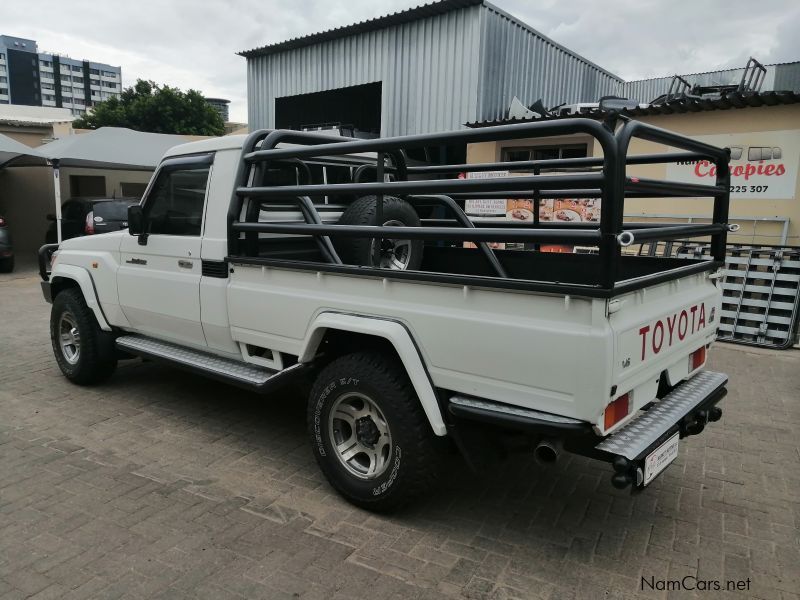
{"x": 603, "y": 177}
{"x": 760, "y": 290}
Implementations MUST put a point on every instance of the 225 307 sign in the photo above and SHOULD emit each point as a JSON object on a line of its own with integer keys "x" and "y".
{"x": 764, "y": 164}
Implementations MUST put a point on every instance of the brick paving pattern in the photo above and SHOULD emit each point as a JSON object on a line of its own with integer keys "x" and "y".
{"x": 159, "y": 484}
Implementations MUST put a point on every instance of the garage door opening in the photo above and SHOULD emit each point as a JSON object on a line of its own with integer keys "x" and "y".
{"x": 356, "y": 108}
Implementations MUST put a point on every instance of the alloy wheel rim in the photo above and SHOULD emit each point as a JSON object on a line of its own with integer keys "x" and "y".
{"x": 69, "y": 338}
{"x": 394, "y": 254}
{"x": 360, "y": 435}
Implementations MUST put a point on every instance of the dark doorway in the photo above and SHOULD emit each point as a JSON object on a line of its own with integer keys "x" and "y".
{"x": 357, "y": 106}
{"x": 87, "y": 186}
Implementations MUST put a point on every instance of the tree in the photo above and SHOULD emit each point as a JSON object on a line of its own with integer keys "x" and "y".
{"x": 148, "y": 106}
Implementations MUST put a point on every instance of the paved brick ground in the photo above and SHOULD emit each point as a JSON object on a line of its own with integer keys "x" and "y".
{"x": 158, "y": 484}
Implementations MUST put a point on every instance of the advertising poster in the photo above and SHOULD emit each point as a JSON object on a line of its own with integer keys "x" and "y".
{"x": 764, "y": 164}
{"x": 562, "y": 210}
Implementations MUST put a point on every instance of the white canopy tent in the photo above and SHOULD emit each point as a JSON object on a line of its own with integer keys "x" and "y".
{"x": 11, "y": 150}
{"x": 104, "y": 148}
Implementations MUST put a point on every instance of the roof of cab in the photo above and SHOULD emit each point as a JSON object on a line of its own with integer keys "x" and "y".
{"x": 228, "y": 142}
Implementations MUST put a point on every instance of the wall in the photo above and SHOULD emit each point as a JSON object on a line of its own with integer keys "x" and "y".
{"x": 30, "y": 136}
{"x": 766, "y": 118}
{"x": 26, "y": 198}
{"x": 113, "y": 179}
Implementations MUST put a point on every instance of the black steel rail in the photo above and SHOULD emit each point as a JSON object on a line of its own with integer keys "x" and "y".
{"x": 602, "y": 177}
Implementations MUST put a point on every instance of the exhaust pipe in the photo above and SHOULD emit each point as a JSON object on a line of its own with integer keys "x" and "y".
{"x": 547, "y": 452}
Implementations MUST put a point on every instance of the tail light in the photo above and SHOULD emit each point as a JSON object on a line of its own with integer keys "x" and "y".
{"x": 2, "y": 222}
{"x": 89, "y": 228}
{"x": 697, "y": 358}
{"x": 616, "y": 411}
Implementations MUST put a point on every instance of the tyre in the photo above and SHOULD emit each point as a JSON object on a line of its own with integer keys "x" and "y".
{"x": 394, "y": 254}
{"x": 85, "y": 353}
{"x": 7, "y": 265}
{"x": 369, "y": 433}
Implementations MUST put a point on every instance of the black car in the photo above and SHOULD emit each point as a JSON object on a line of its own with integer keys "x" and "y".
{"x": 6, "y": 250}
{"x": 88, "y": 216}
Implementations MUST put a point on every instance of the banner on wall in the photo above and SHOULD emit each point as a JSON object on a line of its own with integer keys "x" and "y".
{"x": 764, "y": 164}
{"x": 567, "y": 210}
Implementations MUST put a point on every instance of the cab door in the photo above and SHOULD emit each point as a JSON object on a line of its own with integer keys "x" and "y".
{"x": 159, "y": 275}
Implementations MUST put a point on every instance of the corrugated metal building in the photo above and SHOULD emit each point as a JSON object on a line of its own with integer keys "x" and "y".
{"x": 426, "y": 69}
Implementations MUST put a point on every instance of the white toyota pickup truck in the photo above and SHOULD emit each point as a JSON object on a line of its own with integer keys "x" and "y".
{"x": 288, "y": 256}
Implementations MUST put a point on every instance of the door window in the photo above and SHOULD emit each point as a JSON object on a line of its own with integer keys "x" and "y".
{"x": 175, "y": 204}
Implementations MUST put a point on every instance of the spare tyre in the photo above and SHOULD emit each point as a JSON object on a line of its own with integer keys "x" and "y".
{"x": 402, "y": 254}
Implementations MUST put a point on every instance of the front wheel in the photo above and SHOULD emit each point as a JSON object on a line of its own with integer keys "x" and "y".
{"x": 369, "y": 433}
{"x": 84, "y": 352}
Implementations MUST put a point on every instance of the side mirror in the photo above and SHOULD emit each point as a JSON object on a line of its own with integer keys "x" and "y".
{"x": 135, "y": 220}
{"x": 613, "y": 103}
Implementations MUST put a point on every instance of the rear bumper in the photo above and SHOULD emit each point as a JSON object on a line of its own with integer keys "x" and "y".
{"x": 685, "y": 411}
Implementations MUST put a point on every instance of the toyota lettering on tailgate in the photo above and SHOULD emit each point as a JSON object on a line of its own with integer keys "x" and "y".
{"x": 673, "y": 329}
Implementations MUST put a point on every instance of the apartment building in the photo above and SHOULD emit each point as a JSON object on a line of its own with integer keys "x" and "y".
{"x": 221, "y": 106}
{"x": 34, "y": 78}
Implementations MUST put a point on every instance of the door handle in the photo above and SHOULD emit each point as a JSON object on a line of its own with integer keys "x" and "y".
{"x": 136, "y": 261}
{"x": 185, "y": 264}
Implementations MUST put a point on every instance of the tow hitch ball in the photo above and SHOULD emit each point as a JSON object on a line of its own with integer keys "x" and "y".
{"x": 696, "y": 422}
{"x": 625, "y": 473}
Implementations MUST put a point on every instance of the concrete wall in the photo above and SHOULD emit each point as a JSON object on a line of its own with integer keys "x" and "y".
{"x": 766, "y": 118}
{"x": 26, "y": 198}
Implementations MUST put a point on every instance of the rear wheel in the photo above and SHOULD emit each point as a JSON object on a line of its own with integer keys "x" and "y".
{"x": 392, "y": 254}
{"x": 84, "y": 352}
{"x": 369, "y": 433}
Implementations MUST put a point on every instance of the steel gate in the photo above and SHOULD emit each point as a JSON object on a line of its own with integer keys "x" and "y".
{"x": 760, "y": 290}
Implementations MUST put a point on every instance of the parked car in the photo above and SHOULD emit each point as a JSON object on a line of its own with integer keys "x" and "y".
{"x": 6, "y": 249}
{"x": 88, "y": 216}
{"x": 406, "y": 337}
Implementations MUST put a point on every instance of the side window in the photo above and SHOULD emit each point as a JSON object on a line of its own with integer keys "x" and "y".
{"x": 175, "y": 204}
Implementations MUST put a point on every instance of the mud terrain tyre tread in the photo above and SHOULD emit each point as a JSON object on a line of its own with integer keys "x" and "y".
{"x": 97, "y": 359}
{"x": 357, "y": 251}
{"x": 384, "y": 380}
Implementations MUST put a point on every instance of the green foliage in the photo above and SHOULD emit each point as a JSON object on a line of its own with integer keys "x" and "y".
{"x": 148, "y": 106}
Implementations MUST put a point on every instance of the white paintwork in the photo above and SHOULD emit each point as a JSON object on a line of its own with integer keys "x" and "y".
{"x": 550, "y": 353}
{"x": 161, "y": 298}
{"x": 84, "y": 280}
{"x": 400, "y": 339}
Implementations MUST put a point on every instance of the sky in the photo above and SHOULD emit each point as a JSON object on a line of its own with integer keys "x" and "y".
{"x": 193, "y": 43}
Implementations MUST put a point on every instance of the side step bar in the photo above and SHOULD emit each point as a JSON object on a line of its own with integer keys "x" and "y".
{"x": 232, "y": 371}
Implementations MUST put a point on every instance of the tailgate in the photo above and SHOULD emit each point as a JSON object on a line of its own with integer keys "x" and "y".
{"x": 656, "y": 331}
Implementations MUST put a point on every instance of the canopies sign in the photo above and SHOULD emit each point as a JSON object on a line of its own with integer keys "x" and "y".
{"x": 764, "y": 164}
